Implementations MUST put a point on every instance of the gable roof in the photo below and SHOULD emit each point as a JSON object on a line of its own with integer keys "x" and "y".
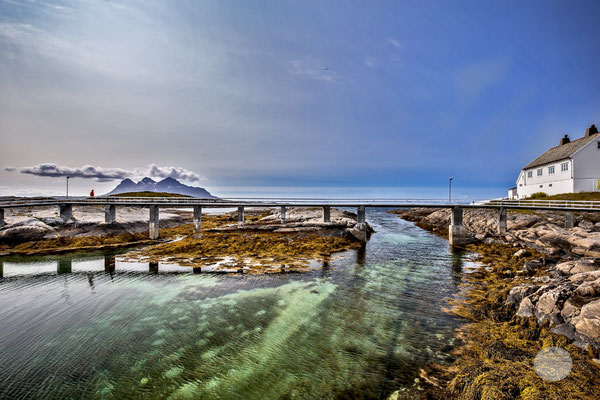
{"x": 561, "y": 152}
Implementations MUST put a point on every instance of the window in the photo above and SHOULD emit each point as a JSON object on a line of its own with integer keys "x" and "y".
{"x": 541, "y": 186}
{"x": 550, "y": 185}
{"x": 530, "y": 174}
{"x": 598, "y": 145}
{"x": 520, "y": 184}
{"x": 564, "y": 167}
{"x": 551, "y": 169}
{"x": 540, "y": 171}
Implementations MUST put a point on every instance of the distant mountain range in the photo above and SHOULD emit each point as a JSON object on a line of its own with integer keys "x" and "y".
{"x": 167, "y": 185}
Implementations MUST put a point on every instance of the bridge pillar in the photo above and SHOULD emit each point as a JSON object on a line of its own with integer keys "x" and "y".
{"x": 240, "y": 214}
{"x": 63, "y": 267}
{"x": 569, "y": 220}
{"x": 65, "y": 211}
{"x": 197, "y": 218}
{"x": 153, "y": 268}
{"x": 361, "y": 215}
{"x": 502, "y": 221}
{"x": 360, "y": 230}
{"x": 456, "y": 231}
{"x": 1, "y": 217}
{"x": 153, "y": 224}
{"x": 326, "y": 214}
{"x": 282, "y": 214}
{"x": 110, "y": 214}
{"x": 109, "y": 263}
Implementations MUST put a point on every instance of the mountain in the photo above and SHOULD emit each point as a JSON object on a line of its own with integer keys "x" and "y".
{"x": 167, "y": 185}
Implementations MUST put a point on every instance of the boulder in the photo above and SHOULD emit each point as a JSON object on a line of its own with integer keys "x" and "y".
{"x": 525, "y": 308}
{"x": 588, "y": 321}
{"x": 585, "y": 276}
{"x": 565, "y": 267}
{"x": 518, "y": 293}
{"x": 585, "y": 265}
{"x": 548, "y": 306}
{"x": 522, "y": 253}
{"x": 588, "y": 289}
{"x": 31, "y": 229}
{"x": 530, "y": 267}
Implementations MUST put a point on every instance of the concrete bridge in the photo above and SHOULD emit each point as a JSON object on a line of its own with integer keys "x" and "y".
{"x": 457, "y": 233}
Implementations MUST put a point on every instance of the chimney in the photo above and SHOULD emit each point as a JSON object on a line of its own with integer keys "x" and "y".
{"x": 592, "y": 130}
{"x": 565, "y": 140}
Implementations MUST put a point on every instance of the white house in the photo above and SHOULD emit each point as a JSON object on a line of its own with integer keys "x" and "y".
{"x": 570, "y": 167}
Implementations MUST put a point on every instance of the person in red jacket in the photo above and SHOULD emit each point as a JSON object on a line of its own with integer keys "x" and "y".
{"x": 92, "y": 193}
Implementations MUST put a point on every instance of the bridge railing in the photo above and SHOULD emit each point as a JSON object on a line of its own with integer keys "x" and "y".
{"x": 542, "y": 203}
{"x": 235, "y": 200}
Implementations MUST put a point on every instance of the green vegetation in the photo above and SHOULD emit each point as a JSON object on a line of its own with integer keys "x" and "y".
{"x": 538, "y": 195}
{"x": 583, "y": 196}
{"x": 148, "y": 194}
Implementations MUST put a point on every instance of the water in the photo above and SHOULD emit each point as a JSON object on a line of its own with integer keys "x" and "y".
{"x": 360, "y": 327}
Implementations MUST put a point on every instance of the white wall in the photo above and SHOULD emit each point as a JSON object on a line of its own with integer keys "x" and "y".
{"x": 549, "y": 183}
{"x": 587, "y": 167}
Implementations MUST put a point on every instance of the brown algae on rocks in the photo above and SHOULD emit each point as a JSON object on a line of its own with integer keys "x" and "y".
{"x": 261, "y": 245}
{"x": 495, "y": 359}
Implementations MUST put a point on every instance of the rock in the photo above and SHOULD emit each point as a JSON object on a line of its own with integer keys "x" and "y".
{"x": 522, "y": 253}
{"x": 525, "y": 308}
{"x": 547, "y": 307}
{"x": 530, "y": 267}
{"x": 480, "y": 236}
{"x": 565, "y": 267}
{"x": 585, "y": 276}
{"x": 571, "y": 308}
{"x": 588, "y": 320}
{"x": 31, "y": 229}
{"x": 588, "y": 289}
{"x": 585, "y": 265}
{"x": 565, "y": 329}
{"x": 586, "y": 225}
{"x": 518, "y": 293}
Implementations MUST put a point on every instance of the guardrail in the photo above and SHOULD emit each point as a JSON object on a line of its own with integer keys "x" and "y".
{"x": 234, "y": 200}
{"x": 543, "y": 203}
{"x": 299, "y": 201}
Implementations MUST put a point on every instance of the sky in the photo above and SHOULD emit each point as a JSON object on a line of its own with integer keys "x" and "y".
{"x": 345, "y": 98}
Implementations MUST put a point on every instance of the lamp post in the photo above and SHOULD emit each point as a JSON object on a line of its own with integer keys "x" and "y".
{"x": 449, "y": 190}
{"x": 68, "y": 187}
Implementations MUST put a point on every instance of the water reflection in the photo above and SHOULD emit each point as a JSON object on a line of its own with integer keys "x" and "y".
{"x": 359, "y": 327}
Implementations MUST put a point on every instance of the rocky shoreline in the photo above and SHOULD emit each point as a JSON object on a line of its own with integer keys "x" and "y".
{"x": 262, "y": 244}
{"x": 569, "y": 296}
{"x": 539, "y": 286}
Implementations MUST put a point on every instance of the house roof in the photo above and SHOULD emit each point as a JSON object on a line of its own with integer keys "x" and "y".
{"x": 561, "y": 152}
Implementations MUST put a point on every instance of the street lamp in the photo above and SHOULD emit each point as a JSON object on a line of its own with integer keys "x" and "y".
{"x": 68, "y": 187}
{"x": 449, "y": 190}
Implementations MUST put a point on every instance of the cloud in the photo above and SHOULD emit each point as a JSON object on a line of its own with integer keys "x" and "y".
{"x": 312, "y": 69}
{"x": 107, "y": 174}
{"x": 394, "y": 43}
{"x": 371, "y": 62}
{"x": 172, "y": 172}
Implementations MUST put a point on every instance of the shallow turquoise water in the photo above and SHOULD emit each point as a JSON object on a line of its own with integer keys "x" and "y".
{"x": 360, "y": 327}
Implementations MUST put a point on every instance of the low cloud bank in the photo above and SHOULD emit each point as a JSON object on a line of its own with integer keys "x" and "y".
{"x": 107, "y": 174}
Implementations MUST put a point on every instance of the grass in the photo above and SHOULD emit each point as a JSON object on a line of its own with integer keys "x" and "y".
{"x": 583, "y": 196}
{"x": 148, "y": 194}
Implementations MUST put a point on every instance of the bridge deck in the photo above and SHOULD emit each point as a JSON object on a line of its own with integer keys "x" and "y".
{"x": 551, "y": 205}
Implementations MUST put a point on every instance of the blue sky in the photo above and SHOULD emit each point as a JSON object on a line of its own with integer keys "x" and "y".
{"x": 278, "y": 96}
